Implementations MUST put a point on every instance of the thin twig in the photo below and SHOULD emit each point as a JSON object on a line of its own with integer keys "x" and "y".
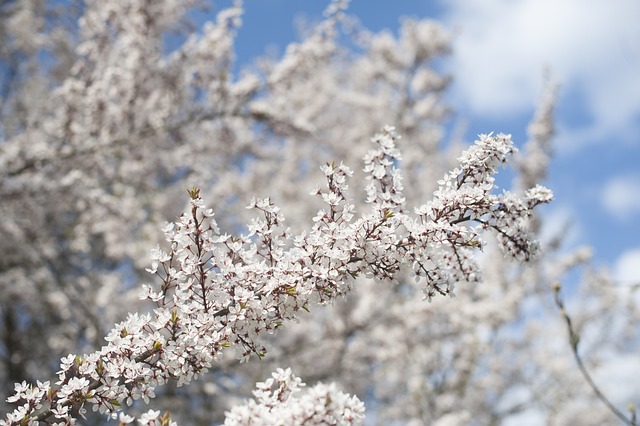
{"x": 574, "y": 339}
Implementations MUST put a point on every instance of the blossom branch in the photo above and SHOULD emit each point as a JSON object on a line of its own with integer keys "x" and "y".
{"x": 220, "y": 291}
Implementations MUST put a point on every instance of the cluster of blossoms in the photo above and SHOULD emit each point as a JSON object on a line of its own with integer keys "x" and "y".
{"x": 222, "y": 291}
{"x": 276, "y": 403}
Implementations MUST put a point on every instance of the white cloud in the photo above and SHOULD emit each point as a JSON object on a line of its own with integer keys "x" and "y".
{"x": 592, "y": 47}
{"x": 627, "y": 268}
{"x": 621, "y": 196}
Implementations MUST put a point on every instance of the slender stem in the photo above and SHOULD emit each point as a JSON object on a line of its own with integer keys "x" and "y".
{"x": 574, "y": 340}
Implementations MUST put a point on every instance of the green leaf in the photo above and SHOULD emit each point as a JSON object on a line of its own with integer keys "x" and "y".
{"x": 194, "y": 193}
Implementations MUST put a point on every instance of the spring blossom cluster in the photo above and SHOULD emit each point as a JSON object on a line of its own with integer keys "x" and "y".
{"x": 110, "y": 110}
{"x": 220, "y": 290}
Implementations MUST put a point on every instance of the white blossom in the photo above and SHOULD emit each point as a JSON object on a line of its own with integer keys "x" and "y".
{"x": 107, "y": 116}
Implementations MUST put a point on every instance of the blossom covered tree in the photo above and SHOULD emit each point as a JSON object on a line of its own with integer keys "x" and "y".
{"x": 104, "y": 126}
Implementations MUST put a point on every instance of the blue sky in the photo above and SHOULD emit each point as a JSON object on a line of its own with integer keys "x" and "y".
{"x": 501, "y": 49}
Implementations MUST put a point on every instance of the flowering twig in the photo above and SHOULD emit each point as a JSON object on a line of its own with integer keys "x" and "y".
{"x": 219, "y": 291}
{"x": 275, "y": 398}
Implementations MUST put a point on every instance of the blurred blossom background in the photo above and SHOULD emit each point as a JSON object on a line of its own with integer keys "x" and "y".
{"x": 503, "y": 53}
